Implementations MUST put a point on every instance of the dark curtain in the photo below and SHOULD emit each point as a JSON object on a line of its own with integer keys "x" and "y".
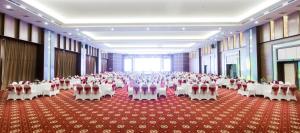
{"x": 90, "y": 64}
{"x": 65, "y": 63}
{"x": 18, "y": 61}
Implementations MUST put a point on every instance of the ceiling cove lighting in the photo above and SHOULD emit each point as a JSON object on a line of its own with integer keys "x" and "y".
{"x": 37, "y": 4}
{"x": 190, "y": 37}
{"x": 149, "y": 46}
{"x": 8, "y": 7}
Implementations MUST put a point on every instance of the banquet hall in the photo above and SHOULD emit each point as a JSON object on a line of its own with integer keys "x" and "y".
{"x": 149, "y": 66}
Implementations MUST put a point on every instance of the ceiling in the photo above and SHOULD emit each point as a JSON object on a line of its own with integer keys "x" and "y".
{"x": 149, "y": 26}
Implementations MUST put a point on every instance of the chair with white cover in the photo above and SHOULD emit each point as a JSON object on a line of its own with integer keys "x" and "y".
{"x": 181, "y": 90}
{"x": 87, "y": 91}
{"x": 145, "y": 92}
{"x": 212, "y": 92}
{"x": 195, "y": 92}
{"x": 96, "y": 94}
{"x": 291, "y": 94}
{"x": 62, "y": 84}
{"x": 11, "y": 92}
{"x": 153, "y": 92}
{"x": 136, "y": 92}
{"x": 19, "y": 92}
{"x": 28, "y": 92}
{"x": 231, "y": 84}
{"x": 79, "y": 94}
{"x": 274, "y": 93}
{"x": 68, "y": 84}
{"x": 49, "y": 89}
{"x": 245, "y": 91}
{"x": 107, "y": 89}
{"x": 162, "y": 90}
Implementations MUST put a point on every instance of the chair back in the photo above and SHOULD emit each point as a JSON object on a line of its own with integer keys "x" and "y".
{"x": 284, "y": 89}
{"x": 203, "y": 88}
{"x": 27, "y": 89}
{"x": 293, "y": 89}
{"x": 275, "y": 89}
{"x": 239, "y": 85}
{"x": 212, "y": 89}
{"x": 95, "y": 89}
{"x": 245, "y": 86}
{"x": 145, "y": 88}
{"x": 195, "y": 88}
{"x": 153, "y": 89}
{"x": 79, "y": 88}
{"x": 19, "y": 89}
{"x": 136, "y": 89}
{"x": 67, "y": 82}
{"x": 11, "y": 88}
{"x": 61, "y": 81}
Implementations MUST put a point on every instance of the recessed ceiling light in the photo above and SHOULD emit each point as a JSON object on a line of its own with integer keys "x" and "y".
{"x": 256, "y": 22}
{"x": 77, "y": 29}
{"x": 183, "y": 28}
{"x": 46, "y": 23}
{"x": 69, "y": 33}
{"x": 112, "y": 29}
{"x": 230, "y": 32}
{"x": 52, "y": 21}
{"x": 220, "y": 28}
{"x": 266, "y": 12}
{"x": 22, "y": 6}
{"x": 40, "y": 15}
{"x": 8, "y": 7}
{"x": 148, "y": 29}
{"x": 285, "y": 3}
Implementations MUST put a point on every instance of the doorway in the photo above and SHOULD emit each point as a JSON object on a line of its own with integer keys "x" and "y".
{"x": 205, "y": 69}
{"x": 231, "y": 70}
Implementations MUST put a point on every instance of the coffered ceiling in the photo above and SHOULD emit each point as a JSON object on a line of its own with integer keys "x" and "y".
{"x": 158, "y": 25}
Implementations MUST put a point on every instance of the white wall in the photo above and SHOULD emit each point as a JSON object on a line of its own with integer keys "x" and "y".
{"x": 194, "y": 61}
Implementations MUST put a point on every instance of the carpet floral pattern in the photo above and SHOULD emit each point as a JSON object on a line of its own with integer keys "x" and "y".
{"x": 230, "y": 113}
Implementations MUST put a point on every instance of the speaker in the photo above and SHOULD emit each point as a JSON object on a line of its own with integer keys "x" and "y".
{"x": 212, "y": 46}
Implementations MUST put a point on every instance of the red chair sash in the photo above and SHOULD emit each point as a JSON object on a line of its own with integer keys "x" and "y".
{"x": 284, "y": 89}
{"x": 245, "y": 87}
{"x": 203, "y": 88}
{"x": 10, "y": 88}
{"x": 19, "y": 89}
{"x": 136, "y": 89}
{"x": 27, "y": 89}
{"x": 144, "y": 88}
{"x": 96, "y": 89}
{"x": 87, "y": 89}
{"x": 231, "y": 81}
{"x": 52, "y": 87}
{"x": 275, "y": 89}
{"x": 61, "y": 82}
{"x": 152, "y": 89}
{"x": 67, "y": 82}
{"x": 195, "y": 88}
{"x": 79, "y": 89}
{"x": 239, "y": 85}
{"x": 212, "y": 89}
{"x": 293, "y": 90}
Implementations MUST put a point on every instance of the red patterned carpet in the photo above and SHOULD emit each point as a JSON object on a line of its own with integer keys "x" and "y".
{"x": 230, "y": 113}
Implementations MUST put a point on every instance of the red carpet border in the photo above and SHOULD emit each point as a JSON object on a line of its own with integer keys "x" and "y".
{"x": 230, "y": 113}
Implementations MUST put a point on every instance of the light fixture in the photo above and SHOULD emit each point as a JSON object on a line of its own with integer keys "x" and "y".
{"x": 266, "y": 12}
{"x": 252, "y": 19}
{"x": 77, "y": 29}
{"x": 256, "y": 22}
{"x": 69, "y": 33}
{"x": 230, "y": 32}
{"x": 148, "y": 29}
{"x": 285, "y": 3}
{"x": 220, "y": 28}
{"x": 8, "y": 7}
{"x": 52, "y": 21}
{"x": 183, "y": 28}
{"x": 46, "y": 23}
{"x": 22, "y": 6}
{"x": 40, "y": 15}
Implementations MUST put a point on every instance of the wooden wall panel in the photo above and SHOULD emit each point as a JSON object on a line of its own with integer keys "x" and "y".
{"x": 237, "y": 41}
{"x": 2, "y": 16}
{"x": 278, "y": 28}
{"x": 10, "y": 28}
{"x": 293, "y": 24}
{"x": 67, "y": 44}
{"x": 265, "y": 33}
{"x": 230, "y": 42}
{"x": 24, "y": 31}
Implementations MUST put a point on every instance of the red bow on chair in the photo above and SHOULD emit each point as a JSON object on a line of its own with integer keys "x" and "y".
{"x": 245, "y": 87}
{"x": 231, "y": 81}
{"x": 52, "y": 87}
{"x": 203, "y": 88}
{"x": 67, "y": 82}
{"x": 96, "y": 89}
{"x": 136, "y": 89}
{"x": 19, "y": 89}
{"x": 275, "y": 89}
{"x": 87, "y": 89}
{"x": 212, "y": 89}
{"x": 195, "y": 88}
{"x": 152, "y": 89}
{"x": 10, "y": 88}
{"x": 79, "y": 89}
{"x": 27, "y": 89}
{"x": 62, "y": 82}
{"x": 144, "y": 88}
{"x": 284, "y": 89}
{"x": 239, "y": 85}
{"x": 293, "y": 89}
